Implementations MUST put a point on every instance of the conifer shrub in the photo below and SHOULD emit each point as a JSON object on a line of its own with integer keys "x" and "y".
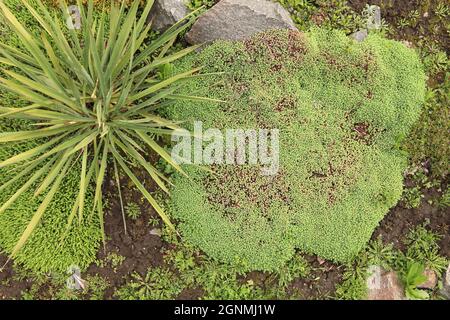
{"x": 342, "y": 109}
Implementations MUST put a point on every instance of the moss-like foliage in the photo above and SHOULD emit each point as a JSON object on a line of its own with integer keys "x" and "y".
{"x": 44, "y": 251}
{"x": 341, "y": 107}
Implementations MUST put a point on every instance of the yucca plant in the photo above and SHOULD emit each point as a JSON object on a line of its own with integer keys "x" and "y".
{"x": 93, "y": 95}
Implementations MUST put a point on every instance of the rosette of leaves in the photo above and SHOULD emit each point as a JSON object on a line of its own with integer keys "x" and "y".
{"x": 93, "y": 99}
{"x": 415, "y": 277}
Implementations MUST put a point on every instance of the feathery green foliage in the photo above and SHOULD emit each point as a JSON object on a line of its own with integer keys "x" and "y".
{"x": 47, "y": 249}
{"x": 342, "y": 108}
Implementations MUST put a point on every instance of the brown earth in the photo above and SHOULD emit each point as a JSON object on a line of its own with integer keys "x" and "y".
{"x": 426, "y": 25}
{"x": 143, "y": 250}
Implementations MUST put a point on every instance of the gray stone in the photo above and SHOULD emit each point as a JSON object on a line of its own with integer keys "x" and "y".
{"x": 447, "y": 277}
{"x": 165, "y": 13}
{"x": 384, "y": 285}
{"x": 409, "y": 44}
{"x": 320, "y": 260}
{"x": 373, "y": 17}
{"x": 156, "y": 232}
{"x": 74, "y": 19}
{"x": 359, "y": 35}
{"x": 238, "y": 19}
{"x": 75, "y": 282}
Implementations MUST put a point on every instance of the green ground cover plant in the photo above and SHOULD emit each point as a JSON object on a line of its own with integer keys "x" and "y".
{"x": 425, "y": 26}
{"x": 342, "y": 109}
{"x": 427, "y": 146}
{"x": 92, "y": 97}
{"x": 188, "y": 269}
{"x": 44, "y": 251}
{"x": 429, "y": 140}
{"x": 421, "y": 252}
{"x": 327, "y": 13}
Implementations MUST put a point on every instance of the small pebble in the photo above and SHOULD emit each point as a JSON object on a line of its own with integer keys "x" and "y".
{"x": 156, "y": 232}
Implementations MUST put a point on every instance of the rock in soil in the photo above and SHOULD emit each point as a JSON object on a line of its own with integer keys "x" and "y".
{"x": 360, "y": 35}
{"x": 446, "y": 284}
{"x": 238, "y": 19}
{"x": 384, "y": 285}
{"x": 165, "y": 13}
{"x": 431, "y": 282}
{"x": 156, "y": 232}
{"x": 374, "y": 17}
{"x": 320, "y": 260}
